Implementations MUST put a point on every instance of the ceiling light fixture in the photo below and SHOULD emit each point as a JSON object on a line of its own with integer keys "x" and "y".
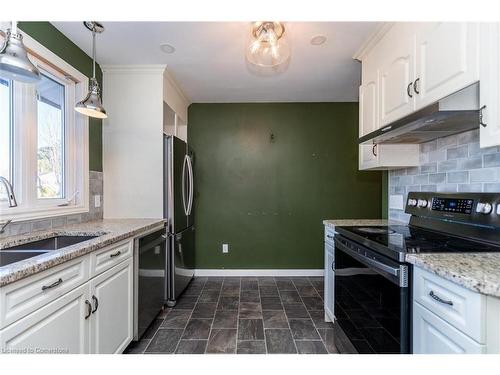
{"x": 268, "y": 47}
{"x": 167, "y": 48}
{"x": 91, "y": 105}
{"x": 318, "y": 40}
{"x": 14, "y": 61}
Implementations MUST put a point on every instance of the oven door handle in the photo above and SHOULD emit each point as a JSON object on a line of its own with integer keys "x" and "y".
{"x": 375, "y": 264}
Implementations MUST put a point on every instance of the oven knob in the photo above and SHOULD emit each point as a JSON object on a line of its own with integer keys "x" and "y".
{"x": 422, "y": 203}
{"x": 484, "y": 208}
{"x": 412, "y": 202}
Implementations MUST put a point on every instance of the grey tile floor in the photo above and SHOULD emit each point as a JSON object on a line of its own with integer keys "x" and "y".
{"x": 244, "y": 315}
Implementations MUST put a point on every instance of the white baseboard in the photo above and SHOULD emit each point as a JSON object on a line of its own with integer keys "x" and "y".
{"x": 242, "y": 272}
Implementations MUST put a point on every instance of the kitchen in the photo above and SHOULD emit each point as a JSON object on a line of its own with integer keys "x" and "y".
{"x": 249, "y": 187}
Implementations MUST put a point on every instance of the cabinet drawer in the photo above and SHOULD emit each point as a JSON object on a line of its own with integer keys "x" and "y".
{"x": 329, "y": 235}
{"x": 462, "y": 308}
{"x": 25, "y": 296}
{"x": 432, "y": 335}
{"x": 110, "y": 256}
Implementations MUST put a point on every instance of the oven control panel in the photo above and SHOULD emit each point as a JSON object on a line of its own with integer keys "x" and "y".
{"x": 473, "y": 208}
{"x": 461, "y": 206}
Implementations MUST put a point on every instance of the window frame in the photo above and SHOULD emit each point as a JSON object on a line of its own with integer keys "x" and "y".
{"x": 24, "y": 153}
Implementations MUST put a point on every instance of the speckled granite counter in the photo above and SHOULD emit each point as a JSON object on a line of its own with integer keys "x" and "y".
{"x": 108, "y": 230}
{"x": 479, "y": 272}
{"x": 355, "y": 222}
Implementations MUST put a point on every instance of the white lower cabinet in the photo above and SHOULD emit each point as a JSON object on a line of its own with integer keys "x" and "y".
{"x": 111, "y": 325}
{"x": 94, "y": 317}
{"x": 448, "y": 318}
{"x": 329, "y": 278}
{"x": 329, "y": 275}
{"x": 433, "y": 335}
{"x": 59, "y": 327}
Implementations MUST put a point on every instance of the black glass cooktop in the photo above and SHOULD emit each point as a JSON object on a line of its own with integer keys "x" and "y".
{"x": 410, "y": 239}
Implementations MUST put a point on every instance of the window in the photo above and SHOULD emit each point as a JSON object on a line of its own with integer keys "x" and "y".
{"x": 50, "y": 147}
{"x": 43, "y": 141}
{"x": 5, "y": 132}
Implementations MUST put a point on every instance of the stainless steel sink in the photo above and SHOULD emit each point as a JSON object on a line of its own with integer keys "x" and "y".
{"x": 14, "y": 254}
{"x": 51, "y": 243}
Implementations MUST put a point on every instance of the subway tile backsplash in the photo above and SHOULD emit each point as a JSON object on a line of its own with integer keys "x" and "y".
{"x": 450, "y": 164}
{"x": 96, "y": 188}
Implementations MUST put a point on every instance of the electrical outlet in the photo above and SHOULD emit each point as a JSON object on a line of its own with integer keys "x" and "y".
{"x": 225, "y": 248}
{"x": 97, "y": 201}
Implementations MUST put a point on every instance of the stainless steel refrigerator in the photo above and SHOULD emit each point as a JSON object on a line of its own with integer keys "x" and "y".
{"x": 178, "y": 210}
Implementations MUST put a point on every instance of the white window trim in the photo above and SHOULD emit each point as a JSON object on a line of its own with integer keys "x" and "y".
{"x": 48, "y": 60}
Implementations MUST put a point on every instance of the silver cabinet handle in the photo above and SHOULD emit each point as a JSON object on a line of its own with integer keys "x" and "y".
{"x": 415, "y": 86}
{"x": 374, "y": 150}
{"x": 89, "y": 309}
{"x": 53, "y": 285}
{"x": 408, "y": 89}
{"x": 329, "y": 236}
{"x": 481, "y": 122}
{"x": 333, "y": 266}
{"x": 96, "y": 304}
{"x": 439, "y": 299}
{"x": 115, "y": 254}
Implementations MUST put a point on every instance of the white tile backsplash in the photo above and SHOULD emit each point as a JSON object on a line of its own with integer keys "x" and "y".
{"x": 450, "y": 164}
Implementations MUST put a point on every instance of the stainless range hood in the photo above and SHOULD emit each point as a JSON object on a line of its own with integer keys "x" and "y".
{"x": 454, "y": 114}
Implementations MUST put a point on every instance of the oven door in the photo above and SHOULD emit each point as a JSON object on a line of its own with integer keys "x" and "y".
{"x": 372, "y": 302}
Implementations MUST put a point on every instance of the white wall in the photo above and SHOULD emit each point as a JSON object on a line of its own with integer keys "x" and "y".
{"x": 133, "y": 141}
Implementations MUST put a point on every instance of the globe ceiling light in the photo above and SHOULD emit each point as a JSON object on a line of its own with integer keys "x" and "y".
{"x": 268, "y": 47}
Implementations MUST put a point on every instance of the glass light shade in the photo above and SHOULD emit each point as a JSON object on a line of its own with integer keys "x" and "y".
{"x": 91, "y": 105}
{"x": 268, "y": 47}
{"x": 14, "y": 61}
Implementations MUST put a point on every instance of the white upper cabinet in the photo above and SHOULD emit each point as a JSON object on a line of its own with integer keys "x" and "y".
{"x": 490, "y": 84}
{"x": 396, "y": 74}
{"x": 446, "y": 59}
{"x": 368, "y": 116}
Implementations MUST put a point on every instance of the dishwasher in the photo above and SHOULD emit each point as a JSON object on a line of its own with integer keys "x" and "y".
{"x": 149, "y": 279}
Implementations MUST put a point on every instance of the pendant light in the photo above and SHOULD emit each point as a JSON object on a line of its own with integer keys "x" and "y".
{"x": 268, "y": 48}
{"x": 14, "y": 61}
{"x": 91, "y": 105}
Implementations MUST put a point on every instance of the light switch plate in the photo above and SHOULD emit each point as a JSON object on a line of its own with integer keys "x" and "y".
{"x": 396, "y": 202}
{"x": 97, "y": 201}
{"x": 225, "y": 248}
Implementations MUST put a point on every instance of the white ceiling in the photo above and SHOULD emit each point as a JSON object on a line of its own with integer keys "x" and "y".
{"x": 209, "y": 62}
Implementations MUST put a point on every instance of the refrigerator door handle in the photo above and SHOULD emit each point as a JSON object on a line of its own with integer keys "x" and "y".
{"x": 186, "y": 157}
{"x": 191, "y": 185}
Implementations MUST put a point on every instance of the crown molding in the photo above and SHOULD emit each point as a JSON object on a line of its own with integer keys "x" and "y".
{"x": 372, "y": 40}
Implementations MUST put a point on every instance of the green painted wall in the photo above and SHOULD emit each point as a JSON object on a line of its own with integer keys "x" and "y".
{"x": 267, "y": 197}
{"x": 54, "y": 40}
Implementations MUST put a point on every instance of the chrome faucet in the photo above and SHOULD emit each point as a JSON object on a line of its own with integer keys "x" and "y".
{"x": 10, "y": 192}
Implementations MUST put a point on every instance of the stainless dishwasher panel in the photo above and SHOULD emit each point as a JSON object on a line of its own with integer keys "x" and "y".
{"x": 149, "y": 279}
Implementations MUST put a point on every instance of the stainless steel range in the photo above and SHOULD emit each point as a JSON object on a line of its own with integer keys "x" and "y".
{"x": 372, "y": 279}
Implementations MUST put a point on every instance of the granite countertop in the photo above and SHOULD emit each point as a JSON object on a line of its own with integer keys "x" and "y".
{"x": 479, "y": 272}
{"x": 108, "y": 230}
{"x": 356, "y": 222}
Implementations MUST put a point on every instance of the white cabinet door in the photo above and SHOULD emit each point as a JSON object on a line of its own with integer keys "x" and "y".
{"x": 396, "y": 74}
{"x": 490, "y": 84}
{"x": 368, "y": 117}
{"x": 112, "y": 318}
{"x": 329, "y": 283}
{"x": 59, "y": 327}
{"x": 447, "y": 59}
{"x": 431, "y": 335}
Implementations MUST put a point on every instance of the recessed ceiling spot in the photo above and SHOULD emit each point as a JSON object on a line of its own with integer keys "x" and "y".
{"x": 318, "y": 40}
{"x": 167, "y": 48}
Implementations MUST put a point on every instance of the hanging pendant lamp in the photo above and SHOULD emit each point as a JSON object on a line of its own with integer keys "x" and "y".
{"x": 14, "y": 61}
{"x": 91, "y": 105}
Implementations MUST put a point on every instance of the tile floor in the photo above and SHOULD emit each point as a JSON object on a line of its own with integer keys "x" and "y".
{"x": 244, "y": 315}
